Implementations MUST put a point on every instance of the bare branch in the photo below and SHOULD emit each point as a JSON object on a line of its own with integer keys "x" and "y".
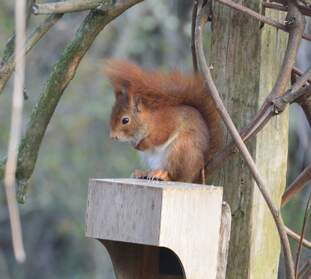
{"x": 296, "y": 28}
{"x": 306, "y": 106}
{"x": 16, "y": 126}
{"x": 201, "y": 20}
{"x": 305, "y": 218}
{"x": 8, "y": 62}
{"x": 70, "y": 6}
{"x": 297, "y": 237}
{"x": 304, "y": 10}
{"x": 9, "y": 47}
{"x": 250, "y": 12}
{"x": 297, "y": 185}
{"x": 302, "y": 81}
{"x": 194, "y": 16}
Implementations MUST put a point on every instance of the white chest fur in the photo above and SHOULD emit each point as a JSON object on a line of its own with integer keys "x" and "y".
{"x": 156, "y": 158}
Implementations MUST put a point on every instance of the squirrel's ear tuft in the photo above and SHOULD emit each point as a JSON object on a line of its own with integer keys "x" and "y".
{"x": 121, "y": 73}
{"x": 121, "y": 92}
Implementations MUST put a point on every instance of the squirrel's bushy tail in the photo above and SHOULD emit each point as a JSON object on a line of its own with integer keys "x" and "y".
{"x": 168, "y": 89}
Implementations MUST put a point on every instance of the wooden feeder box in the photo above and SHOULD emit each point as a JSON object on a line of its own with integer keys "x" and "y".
{"x": 160, "y": 230}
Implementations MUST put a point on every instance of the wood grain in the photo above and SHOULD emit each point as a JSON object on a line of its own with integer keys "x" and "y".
{"x": 134, "y": 218}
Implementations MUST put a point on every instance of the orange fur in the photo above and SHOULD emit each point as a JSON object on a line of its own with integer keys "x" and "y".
{"x": 162, "y": 105}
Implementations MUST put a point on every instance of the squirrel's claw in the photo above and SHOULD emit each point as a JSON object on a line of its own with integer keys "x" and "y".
{"x": 140, "y": 174}
{"x": 155, "y": 175}
{"x": 158, "y": 175}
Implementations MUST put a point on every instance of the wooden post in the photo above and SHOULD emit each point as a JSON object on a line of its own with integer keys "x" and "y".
{"x": 159, "y": 230}
{"x": 246, "y": 61}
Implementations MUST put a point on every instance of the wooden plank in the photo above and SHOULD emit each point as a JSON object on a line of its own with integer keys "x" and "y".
{"x": 224, "y": 237}
{"x": 185, "y": 218}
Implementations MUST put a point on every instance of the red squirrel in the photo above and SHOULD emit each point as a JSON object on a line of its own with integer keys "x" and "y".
{"x": 170, "y": 118}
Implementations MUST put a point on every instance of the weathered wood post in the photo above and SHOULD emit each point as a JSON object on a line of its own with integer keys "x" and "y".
{"x": 160, "y": 230}
{"x": 246, "y": 60}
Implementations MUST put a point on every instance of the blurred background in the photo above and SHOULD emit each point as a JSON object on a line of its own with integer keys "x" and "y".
{"x": 77, "y": 147}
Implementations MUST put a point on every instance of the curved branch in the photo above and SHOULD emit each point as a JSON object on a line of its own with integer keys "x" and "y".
{"x": 194, "y": 16}
{"x": 297, "y": 185}
{"x": 304, "y": 10}
{"x": 201, "y": 20}
{"x": 63, "y": 72}
{"x": 8, "y": 62}
{"x": 306, "y": 106}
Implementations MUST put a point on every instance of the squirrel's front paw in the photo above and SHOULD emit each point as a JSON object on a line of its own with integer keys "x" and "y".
{"x": 161, "y": 175}
{"x": 139, "y": 174}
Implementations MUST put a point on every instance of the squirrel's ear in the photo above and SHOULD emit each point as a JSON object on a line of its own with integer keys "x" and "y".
{"x": 136, "y": 103}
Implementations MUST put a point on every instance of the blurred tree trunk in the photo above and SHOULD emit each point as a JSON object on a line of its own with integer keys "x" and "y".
{"x": 246, "y": 63}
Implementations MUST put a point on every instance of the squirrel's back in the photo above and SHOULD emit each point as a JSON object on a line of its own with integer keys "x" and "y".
{"x": 160, "y": 89}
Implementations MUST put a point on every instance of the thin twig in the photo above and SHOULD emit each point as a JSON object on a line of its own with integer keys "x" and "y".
{"x": 297, "y": 185}
{"x": 305, "y": 219}
{"x": 297, "y": 237}
{"x": 69, "y": 6}
{"x": 201, "y": 20}
{"x": 306, "y": 106}
{"x": 302, "y": 80}
{"x": 9, "y": 46}
{"x": 250, "y": 12}
{"x": 194, "y": 16}
{"x": 8, "y": 62}
{"x": 16, "y": 126}
{"x": 304, "y": 10}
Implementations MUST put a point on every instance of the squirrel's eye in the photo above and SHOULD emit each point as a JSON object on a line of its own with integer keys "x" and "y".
{"x": 125, "y": 120}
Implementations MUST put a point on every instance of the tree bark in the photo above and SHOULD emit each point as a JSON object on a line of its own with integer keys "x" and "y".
{"x": 246, "y": 63}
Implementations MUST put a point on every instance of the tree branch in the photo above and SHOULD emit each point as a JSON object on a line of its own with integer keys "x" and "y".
{"x": 63, "y": 72}
{"x": 306, "y": 106}
{"x": 193, "y": 21}
{"x": 201, "y": 20}
{"x": 304, "y": 10}
{"x": 297, "y": 185}
{"x": 297, "y": 237}
{"x": 70, "y": 6}
{"x": 15, "y": 132}
{"x": 8, "y": 62}
{"x": 9, "y": 47}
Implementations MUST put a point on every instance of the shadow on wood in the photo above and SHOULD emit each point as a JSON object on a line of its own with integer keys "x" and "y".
{"x": 160, "y": 230}
{"x": 142, "y": 261}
